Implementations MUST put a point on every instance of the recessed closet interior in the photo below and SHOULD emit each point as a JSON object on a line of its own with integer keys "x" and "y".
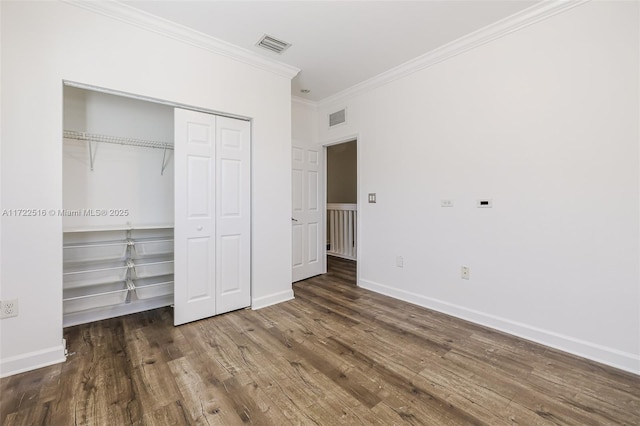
{"x": 119, "y": 208}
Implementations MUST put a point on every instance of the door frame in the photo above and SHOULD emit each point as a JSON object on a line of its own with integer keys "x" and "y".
{"x": 348, "y": 138}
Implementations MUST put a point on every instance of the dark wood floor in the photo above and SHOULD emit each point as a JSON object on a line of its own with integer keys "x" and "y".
{"x": 337, "y": 354}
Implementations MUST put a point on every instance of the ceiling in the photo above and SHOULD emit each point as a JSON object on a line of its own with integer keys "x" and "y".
{"x": 337, "y": 44}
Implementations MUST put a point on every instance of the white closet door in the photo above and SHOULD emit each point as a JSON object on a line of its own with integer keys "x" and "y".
{"x": 233, "y": 220}
{"x": 195, "y": 216}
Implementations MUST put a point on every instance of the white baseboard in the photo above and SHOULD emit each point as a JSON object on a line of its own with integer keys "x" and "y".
{"x": 32, "y": 360}
{"x": 605, "y": 355}
{"x": 272, "y": 299}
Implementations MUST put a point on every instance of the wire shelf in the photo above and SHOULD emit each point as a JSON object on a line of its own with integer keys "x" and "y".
{"x": 93, "y": 137}
{"x": 118, "y": 140}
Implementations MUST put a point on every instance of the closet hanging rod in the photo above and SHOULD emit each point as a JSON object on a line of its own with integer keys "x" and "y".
{"x": 93, "y": 137}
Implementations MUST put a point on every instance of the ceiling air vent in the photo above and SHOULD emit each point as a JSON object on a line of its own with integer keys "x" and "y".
{"x": 338, "y": 117}
{"x": 273, "y": 44}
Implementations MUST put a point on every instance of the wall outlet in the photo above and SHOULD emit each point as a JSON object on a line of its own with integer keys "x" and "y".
{"x": 446, "y": 203}
{"x": 399, "y": 261}
{"x": 8, "y": 308}
{"x": 464, "y": 272}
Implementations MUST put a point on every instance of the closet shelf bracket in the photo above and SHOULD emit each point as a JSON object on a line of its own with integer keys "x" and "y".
{"x": 164, "y": 162}
{"x": 90, "y": 153}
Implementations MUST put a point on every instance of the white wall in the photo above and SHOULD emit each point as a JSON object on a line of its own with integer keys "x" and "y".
{"x": 127, "y": 179}
{"x": 544, "y": 121}
{"x": 304, "y": 122}
{"x": 44, "y": 43}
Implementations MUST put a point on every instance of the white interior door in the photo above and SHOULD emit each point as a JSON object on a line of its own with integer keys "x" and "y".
{"x": 307, "y": 197}
{"x": 233, "y": 215}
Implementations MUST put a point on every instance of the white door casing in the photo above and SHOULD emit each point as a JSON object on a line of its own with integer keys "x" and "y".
{"x": 308, "y": 246}
{"x": 212, "y": 215}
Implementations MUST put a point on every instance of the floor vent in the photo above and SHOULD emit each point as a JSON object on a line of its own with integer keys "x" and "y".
{"x": 338, "y": 117}
{"x": 273, "y": 44}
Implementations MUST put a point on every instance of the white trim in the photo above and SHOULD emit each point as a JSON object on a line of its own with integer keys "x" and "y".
{"x": 304, "y": 102}
{"x": 342, "y": 206}
{"x": 32, "y": 360}
{"x": 272, "y": 299}
{"x": 144, "y": 98}
{"x": 349, "y": 138}
{"x": 599, "y": 353}
{"x": 149, "y": 22}
{"x": 508, "y": 25}
{"x": 638, "y": 94}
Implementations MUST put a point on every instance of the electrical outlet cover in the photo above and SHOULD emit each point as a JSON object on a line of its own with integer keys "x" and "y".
{"x": 464, "y": 272}
{"x": 9, "y": 308}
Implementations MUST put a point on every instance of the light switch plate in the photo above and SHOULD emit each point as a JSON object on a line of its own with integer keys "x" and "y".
{"x": 372, "y": 197}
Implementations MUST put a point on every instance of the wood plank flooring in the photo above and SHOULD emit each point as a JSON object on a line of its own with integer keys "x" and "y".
{"x": 337, "y": 354}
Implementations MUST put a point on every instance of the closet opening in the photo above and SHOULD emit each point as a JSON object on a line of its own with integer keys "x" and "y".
{"x": 156, "y": 209}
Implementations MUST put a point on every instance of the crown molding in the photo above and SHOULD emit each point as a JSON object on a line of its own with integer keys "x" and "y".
{"x": 508, "y": 25}
{"x": 132, "y": 16}
{"x": 304, "y": 102}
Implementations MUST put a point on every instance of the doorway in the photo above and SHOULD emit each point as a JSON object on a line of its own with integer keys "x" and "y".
{"x": 324, "y": 225}
{"x": 342, "y": 203}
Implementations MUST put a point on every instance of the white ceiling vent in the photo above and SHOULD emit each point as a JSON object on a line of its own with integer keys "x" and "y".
{"x": 273, "y": 44}
{"x": 338, "y": 117}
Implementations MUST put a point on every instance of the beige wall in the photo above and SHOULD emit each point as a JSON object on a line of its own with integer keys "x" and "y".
{"x": 342, "y": 168}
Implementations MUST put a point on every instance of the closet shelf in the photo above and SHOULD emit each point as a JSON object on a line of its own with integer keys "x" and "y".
{"x": 111, "y": 296}
{"x": 89, "y": 275}
{"x": 88, "y": 252}
{"x": 126, "y": 227}
{"x": 75, "y": 300}
{"x": 143, "y": 248}
{"x": 148, "y": 288}
{"x": 110, "y": 273}
{"x": 94, "y": 137}
{"x": 151, "y": 267}
{"x": 116, "y": 250}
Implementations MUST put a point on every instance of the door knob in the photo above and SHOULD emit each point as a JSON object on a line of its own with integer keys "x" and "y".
{"x": 294, "y": 219}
